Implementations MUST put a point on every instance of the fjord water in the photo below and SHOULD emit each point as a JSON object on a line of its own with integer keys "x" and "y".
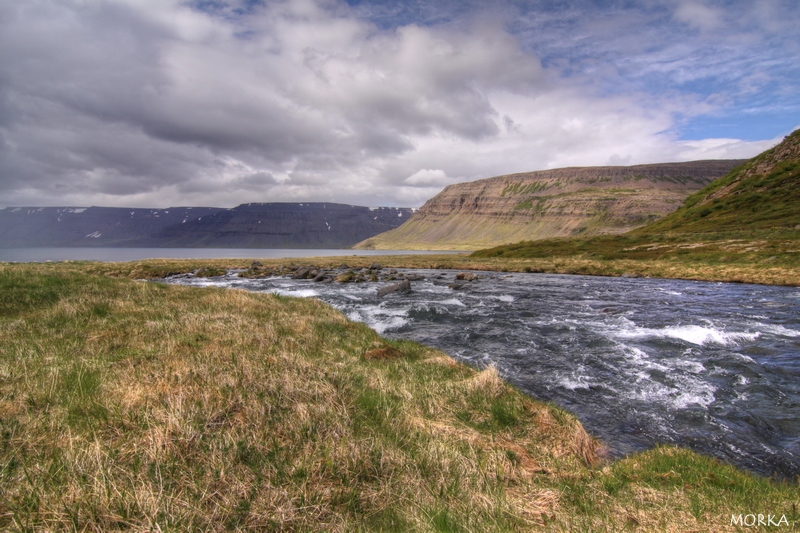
{"x": 711, "y": 366}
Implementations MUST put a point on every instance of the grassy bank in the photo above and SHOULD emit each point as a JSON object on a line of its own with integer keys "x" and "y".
{"x": 766, "y": 257}
{"x": 138, "y": 406}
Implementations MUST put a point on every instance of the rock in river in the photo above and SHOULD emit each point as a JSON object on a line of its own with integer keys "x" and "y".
{"x": 403, "y": 286}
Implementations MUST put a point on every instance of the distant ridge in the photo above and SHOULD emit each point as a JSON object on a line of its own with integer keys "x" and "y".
{"x": 550, "y": 203}
{"x": 256, "y": 225}
{"x": 89, "y": 226}
{"x": 284, "y": 225}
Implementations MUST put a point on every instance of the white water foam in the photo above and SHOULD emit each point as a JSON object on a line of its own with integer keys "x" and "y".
{"x": 700, "y": 394}
{"x": 743, "y": 357}
{"x": 379, "y": 318}
{"x": 686, "y": 392}
{"x": 640, "y": 358}
{"x": 777, "y": 329}
{"x": 685, "y": 386}
{"x": 574, "y": 382}
{"x": 302, "y": 293}
{"x": 352, "y": 297}
{"x": 453, "y": 301}
{"x": 432, "y": 289}
{"x": 693, "y": 367}
{"x": 697, "y": 335}
{"x": 671, "y": 293}
{"x": 205, "y": 283}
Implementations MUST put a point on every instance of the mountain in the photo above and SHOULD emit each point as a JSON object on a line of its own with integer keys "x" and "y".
{"x": 763, "y": 194}
{"x": 89, "y": 226}
{"x": 257, "y": 225}
{"x": 550, "y": 203}
{"x": 284, "y": 225}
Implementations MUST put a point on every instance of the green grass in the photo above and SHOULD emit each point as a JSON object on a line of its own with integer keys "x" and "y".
{"x": 729, "y": 258}
{"x": 755, "y": 203}
{"x": 522, "y": 188}
{"x": 762, "y": 194}
{"x": 138, "y": 406}
{"x": 767, "y": 258}
{"x": 128, "y": 405}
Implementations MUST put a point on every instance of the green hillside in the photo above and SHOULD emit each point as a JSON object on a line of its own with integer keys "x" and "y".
{"x": 762, "y": 194}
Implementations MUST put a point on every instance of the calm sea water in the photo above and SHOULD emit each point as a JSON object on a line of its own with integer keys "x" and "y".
{"x": 28, "y": 255}
{"x": 711, "y": 366}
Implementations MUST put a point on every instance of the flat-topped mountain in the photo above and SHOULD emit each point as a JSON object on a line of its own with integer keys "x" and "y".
{"x": 257, "y": 225}
{"x": 550, "y": 203}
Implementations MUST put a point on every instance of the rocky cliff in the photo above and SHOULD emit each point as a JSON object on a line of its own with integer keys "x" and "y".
{"x": 267, "y": 225}
{"x": 550, "y": 203}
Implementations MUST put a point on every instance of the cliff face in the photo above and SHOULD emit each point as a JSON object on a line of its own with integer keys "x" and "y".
{"x": 550, "y": 203}
{"x": 269, "y": 225}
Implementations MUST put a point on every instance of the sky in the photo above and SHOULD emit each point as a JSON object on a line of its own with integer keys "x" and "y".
{"x": 159, "y": 103}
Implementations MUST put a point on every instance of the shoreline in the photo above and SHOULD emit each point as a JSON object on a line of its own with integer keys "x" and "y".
{"x": 743, "y": 272}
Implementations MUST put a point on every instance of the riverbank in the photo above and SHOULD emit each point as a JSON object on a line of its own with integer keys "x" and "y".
{"x": 769, "y": 257}
{"x": 127, "y": 405}
{"x": 766, "y": 270}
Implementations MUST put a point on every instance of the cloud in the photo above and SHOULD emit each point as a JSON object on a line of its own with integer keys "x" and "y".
{"x": 158, "y": 103}
{"x": 428, "y": 178}
{"x": 698, "y": 15}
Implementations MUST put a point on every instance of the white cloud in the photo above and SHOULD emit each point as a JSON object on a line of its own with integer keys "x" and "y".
{"x": 698, "y": 15}
{"x": 428, "y": 178}
{"x": 153, "y": 103}
{"x": 721, "y": 148}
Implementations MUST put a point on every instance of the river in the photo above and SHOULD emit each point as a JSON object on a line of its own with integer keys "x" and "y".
{"x": 711, "y": 366}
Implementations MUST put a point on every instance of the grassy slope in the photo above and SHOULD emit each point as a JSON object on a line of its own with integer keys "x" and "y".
{"x": 749, "y": 257}
{"x": 762, "y": 194}
{"x": 136, "y": 406}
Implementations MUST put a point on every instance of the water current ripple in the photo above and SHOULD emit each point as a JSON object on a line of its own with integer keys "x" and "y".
{"x": 710, "y": 366}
